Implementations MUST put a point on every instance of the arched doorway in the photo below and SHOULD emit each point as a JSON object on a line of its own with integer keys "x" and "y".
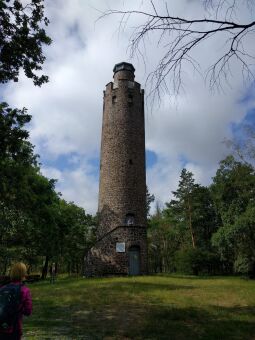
{"x": 134, "y": 260}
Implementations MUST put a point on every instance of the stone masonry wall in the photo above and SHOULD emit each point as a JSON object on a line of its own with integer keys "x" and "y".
{"x": 122, "y": 189}
{"x": 103, "y": 260}
{"x": 122, "y": 168}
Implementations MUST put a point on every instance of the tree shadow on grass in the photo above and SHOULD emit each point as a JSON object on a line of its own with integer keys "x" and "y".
{"x": 196, "y": 277}
{"x": 137, "y": 321}
{"x": 143, "y": 286}
{"x": 197, "y": 323}
{"x": 128, "y": 309}
{"x": 99, "y": 293}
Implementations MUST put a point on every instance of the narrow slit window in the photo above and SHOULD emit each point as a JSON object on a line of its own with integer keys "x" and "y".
{"x": 114, "y": 99}
{"x": 130, "y": 98}
{"x": 131, "y": 84}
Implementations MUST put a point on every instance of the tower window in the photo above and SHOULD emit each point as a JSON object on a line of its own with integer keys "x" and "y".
{"x": 131, "y": 161}
{"x": 114, "y": 99}
{"x": 130, "y": 98}
{"x": 130, "y": 219}
{"x": 131, "y": 84}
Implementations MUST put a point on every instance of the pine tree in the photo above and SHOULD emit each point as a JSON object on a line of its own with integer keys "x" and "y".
{"x": 182, "y": 206}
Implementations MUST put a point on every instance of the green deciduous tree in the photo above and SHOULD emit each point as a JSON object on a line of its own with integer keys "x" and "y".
{"x": 207, "y": 229}
{"x": 16, "y": 152}
{"x": 163, "y": 240}
{"x": 22, "y": 187}
{"x": 76, "y": 235}
{"x": 22, "y": 36}
{"x": 16, "y": 162}
{"x": 234, "y": 191}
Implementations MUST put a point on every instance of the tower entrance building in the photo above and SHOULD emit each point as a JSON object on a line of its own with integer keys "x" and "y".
{"x": 121, "y": 246}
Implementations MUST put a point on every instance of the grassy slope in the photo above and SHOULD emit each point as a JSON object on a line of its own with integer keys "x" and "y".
{"x": 152, "y": 307}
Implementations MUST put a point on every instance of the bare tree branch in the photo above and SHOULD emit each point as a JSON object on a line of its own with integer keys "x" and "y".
{"x": 179, "y": 36}
{"x": 243, "y": 146}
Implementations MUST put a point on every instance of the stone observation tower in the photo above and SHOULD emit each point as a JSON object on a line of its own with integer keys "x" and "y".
{"x": 121, "y": 246}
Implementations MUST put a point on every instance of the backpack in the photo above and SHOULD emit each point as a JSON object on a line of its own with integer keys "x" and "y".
{"x": 10, "y": 298}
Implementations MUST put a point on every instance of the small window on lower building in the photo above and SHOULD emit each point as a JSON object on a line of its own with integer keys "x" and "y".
{"x": 130, "y": 219}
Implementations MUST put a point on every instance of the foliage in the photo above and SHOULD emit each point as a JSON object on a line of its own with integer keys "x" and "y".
{"x": 205, "y": 217}
{"x": 12, "y": 133}
{"x": 150, "y": 198}
{"x": 219, "y": 220}
{"x": 236, "y": 242}
{"x": 189, "y": 217}
{"x": 233, "y": 188}
{"x": 163, "y": 241}
{"x": 233, "y": 191}
{"x": 35, "y": 223}
{"x": 21, "y": 40}
{"x": 75, "y": 235}
{"x": 193, "y": 211}
{"x": 196, "y": 261}
{"x": 16, "y": 153}
{"x": 182, "y": 207}
{"x": 201, "y": 230}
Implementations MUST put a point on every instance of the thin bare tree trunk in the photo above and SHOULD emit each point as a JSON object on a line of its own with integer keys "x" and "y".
{"x": 190, "y": 225}
{"x": 45, "y": 268}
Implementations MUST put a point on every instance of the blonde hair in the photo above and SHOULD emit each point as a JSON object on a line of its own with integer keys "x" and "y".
{"x": 18, "y": 271}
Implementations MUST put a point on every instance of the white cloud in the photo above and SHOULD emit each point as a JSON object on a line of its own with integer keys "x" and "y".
{"x": 77, "y": 185}
{"x": 67, "y": 111}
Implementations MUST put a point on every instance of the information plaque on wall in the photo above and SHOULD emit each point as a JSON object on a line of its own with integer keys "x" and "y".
{"x": 120, "y": 247}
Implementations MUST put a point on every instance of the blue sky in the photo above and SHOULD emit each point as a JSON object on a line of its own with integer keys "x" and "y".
{"x": 63, "y": 162}
{"x": 188, "y": 130}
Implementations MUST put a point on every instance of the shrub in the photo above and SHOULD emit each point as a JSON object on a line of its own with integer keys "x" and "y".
{"x": 196, "y": 261}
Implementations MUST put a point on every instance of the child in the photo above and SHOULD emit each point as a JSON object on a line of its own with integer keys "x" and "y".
{"x": 17, "y": 275}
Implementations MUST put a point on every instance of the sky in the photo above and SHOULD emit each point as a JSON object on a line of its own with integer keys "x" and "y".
{"x": 187, "y": 130}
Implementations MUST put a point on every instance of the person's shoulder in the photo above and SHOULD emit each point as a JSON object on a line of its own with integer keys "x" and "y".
{"x": 15, "y": 282}
{"x": 24, "y": 289}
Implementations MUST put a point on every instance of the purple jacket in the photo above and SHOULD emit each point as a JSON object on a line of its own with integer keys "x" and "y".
{"x": 25, "y": 307}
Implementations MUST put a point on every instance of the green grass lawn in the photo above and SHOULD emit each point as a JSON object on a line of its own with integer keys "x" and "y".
{"x": 150, "y": 307}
